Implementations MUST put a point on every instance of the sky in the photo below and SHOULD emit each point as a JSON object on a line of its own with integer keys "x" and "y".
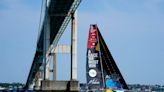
{"x": 132, "y": 29}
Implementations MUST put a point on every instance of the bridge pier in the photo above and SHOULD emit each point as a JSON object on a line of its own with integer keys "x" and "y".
{"x": 65, "y": 86}
{"x": 73, "y": 84}
{"x": 46, "y": 45}
{"x": 73, "y": 48}
{"x": 53, "y": 24}
{"x": 54, "y": 66}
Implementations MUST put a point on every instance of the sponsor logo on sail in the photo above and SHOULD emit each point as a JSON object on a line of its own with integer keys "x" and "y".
{"x": 91, "y": 59}
{"x": 92, "y": 39}
{"x": 92, "y": 73}
{"x": 94, "y": 81}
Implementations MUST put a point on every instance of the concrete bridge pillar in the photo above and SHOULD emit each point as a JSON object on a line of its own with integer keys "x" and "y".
{"x": 54, "y": 66}
{"x": 74, "y": 83}
{"x": 46, "y": 45}
{"x": 73, "y": 49}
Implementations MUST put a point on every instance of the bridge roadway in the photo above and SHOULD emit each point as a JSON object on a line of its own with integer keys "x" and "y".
{"x": 59, "y": 14}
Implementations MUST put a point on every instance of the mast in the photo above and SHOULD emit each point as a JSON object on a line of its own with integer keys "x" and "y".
{"x": 101, "y": 64}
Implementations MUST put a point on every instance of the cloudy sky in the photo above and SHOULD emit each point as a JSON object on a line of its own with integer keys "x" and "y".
{"x": 132, "y": 29}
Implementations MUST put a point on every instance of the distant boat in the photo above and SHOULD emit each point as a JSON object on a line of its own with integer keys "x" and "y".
{"x": 101, "y": 69}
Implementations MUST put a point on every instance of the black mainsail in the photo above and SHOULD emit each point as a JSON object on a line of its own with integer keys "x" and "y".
{"x": 101, "y": 69}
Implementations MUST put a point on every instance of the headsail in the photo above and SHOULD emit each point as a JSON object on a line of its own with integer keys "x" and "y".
{"x": 102, "y": 71}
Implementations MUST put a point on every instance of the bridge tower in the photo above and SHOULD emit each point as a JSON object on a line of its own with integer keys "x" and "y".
{"x": 73, "y": 84}
{"x": 57, "y": 15}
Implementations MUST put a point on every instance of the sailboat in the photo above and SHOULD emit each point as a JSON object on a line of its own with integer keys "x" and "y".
{"x": 101, "y": 70}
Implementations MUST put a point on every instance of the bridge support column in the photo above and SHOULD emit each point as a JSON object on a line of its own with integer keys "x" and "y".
{"x": 73, "y": 49}
{"x": 54, "y": 66}
{"x": 74, "y": 83}
{"x": 46, "y": 44}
